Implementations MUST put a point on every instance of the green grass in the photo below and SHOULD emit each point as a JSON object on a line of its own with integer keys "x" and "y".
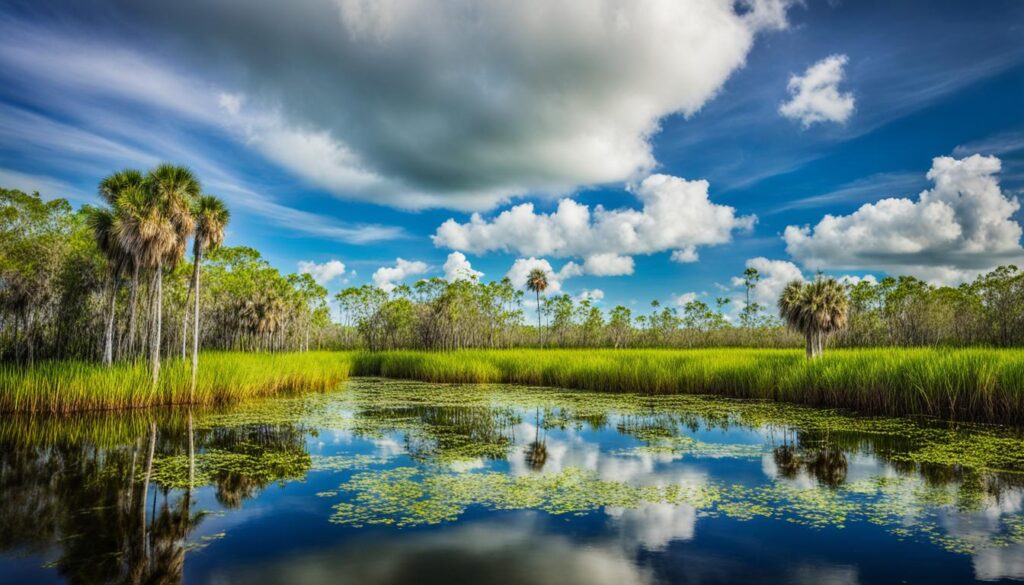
{"x": 223, "y": 378}
{"x": 985, "y": 385}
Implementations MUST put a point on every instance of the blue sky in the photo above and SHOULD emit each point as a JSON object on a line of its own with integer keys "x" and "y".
{"x": 348, "y": 131}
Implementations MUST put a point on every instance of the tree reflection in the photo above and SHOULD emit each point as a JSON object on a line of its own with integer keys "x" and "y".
{"x": 104, "y": 510}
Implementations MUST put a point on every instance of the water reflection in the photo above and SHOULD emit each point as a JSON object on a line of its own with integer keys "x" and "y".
{"x": 110, "y": 500}
{"x": 519, "y": 552}
{"x": 414, "y": 473}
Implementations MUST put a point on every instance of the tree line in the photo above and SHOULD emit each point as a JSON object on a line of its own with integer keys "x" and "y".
{"x": 112, "y": 282}
{"x": 895, "y": 311}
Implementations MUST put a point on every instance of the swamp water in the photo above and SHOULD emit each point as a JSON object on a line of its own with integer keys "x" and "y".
{"x": 384, "y": 482}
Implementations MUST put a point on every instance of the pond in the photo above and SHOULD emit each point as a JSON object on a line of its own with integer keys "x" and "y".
{"x": 383, "y": 482}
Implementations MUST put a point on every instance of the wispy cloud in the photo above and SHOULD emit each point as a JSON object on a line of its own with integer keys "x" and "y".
{"x": 47, "y": 187}
{"x": 998, "y": 144}
{"x": 870, "y": 188}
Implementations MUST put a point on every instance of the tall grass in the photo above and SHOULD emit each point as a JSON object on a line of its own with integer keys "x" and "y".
{"x": 984, "y": 385}
{"x": 223, "y": 377}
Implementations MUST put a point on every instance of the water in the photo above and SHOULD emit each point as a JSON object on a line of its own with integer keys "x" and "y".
{"x": 385, "y": 482}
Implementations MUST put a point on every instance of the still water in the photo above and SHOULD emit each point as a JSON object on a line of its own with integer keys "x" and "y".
{"x": 384, "y": 482}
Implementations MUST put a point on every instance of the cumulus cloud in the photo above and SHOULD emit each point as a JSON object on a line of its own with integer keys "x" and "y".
{"x": 522, "y": 266}
{"x": 457, "y": 267}
{"x": 959, "y": 228}
{"x": 595, "y": 295}
{"x": 685, "y": 298}
{"x": 503, "y": 98}
{"x": 676, "y": 215}
{"x": 853, "y": 279}
{"x": 323, "y": 273}
{"x": 774, "y": 276}
{"x": 815, "y": 95}
{"x": 386, "y": 277}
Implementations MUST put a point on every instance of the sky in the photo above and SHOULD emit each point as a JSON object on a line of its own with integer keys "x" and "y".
{"x": 638, "y": 150}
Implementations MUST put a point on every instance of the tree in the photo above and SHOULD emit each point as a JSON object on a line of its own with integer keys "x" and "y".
{"x": 152, "y": 224}
{"x": 537, "y": 282}
{"x": 110, "y": 190}
{"x": 211, "y": 218}
{"x": 620, "y": 324}
{"x": 815, "y": 310}
{"x": 101, "y": 222}
{"x": 750, "y": 279}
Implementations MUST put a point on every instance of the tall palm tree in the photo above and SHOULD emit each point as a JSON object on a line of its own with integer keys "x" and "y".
{"x": 211, "y": 218}
{"x": 110, "y": 189}
{"x": 172, "y": 190}
{"x": 101, "y": 221}
{"x": 537, "y": 281}
{"x": 149, "y": 236}
{"x": 816, "y": 310}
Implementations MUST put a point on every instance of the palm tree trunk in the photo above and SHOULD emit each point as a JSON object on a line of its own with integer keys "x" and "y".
{"x": 184, "y": 312}
{"x": 108, "y": 336}
{"x": 133, "y": 303}
{"x": 540, "y": 331}
{"x": 195, "y": 321}
{"x": 157, "y": 321}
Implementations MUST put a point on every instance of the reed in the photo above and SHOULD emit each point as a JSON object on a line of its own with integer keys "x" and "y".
{"x": 982, "y": 385}
{"x": 985, "y": 385}
{"x": 69, "y": 386}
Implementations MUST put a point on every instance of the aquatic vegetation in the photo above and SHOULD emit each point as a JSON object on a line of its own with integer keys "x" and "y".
{"x": 259, "y": 467}
{"x": 416, "y": 496}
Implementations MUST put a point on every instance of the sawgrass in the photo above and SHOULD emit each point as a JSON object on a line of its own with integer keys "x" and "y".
{"x": 978, "y": 384}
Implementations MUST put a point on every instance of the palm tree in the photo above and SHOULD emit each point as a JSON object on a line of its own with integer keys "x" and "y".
{"x": 153, "y": 224}
{"x": 101, "y": 221}
{"x": 174, "y": 190}
{"x": 537, "y": 281}
{"x": 110, "y": 189}
{"x": 148, "y": 235}
{"x": 211, "y": 217}
{"x": 816, "y": 310}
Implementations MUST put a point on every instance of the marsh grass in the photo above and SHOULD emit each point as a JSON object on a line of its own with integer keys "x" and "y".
{"x": 984, "y": 385}
{"x": 59, "y": 387}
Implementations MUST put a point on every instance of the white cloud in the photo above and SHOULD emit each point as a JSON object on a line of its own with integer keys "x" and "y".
{"x": 386, "y": 277}
{"x": 676, "y": 215}
{"x": 959, "y": 228}
{"x": 774, "y": 276}
{"x": 853, "y": 279}
{"x": 685, "y": 298}
{"x": 522, "y": 266}
{"x": 503, "y": 98}
{"x": 608, "y": 264}
{"x": 596, "y": 295}
{"x": 815, "y": 95}
{"x": 232, "y": 103}
{"x": 685, "y": 255}
{"x": 457, "y": 267}
{"x": 322, "y": 273}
